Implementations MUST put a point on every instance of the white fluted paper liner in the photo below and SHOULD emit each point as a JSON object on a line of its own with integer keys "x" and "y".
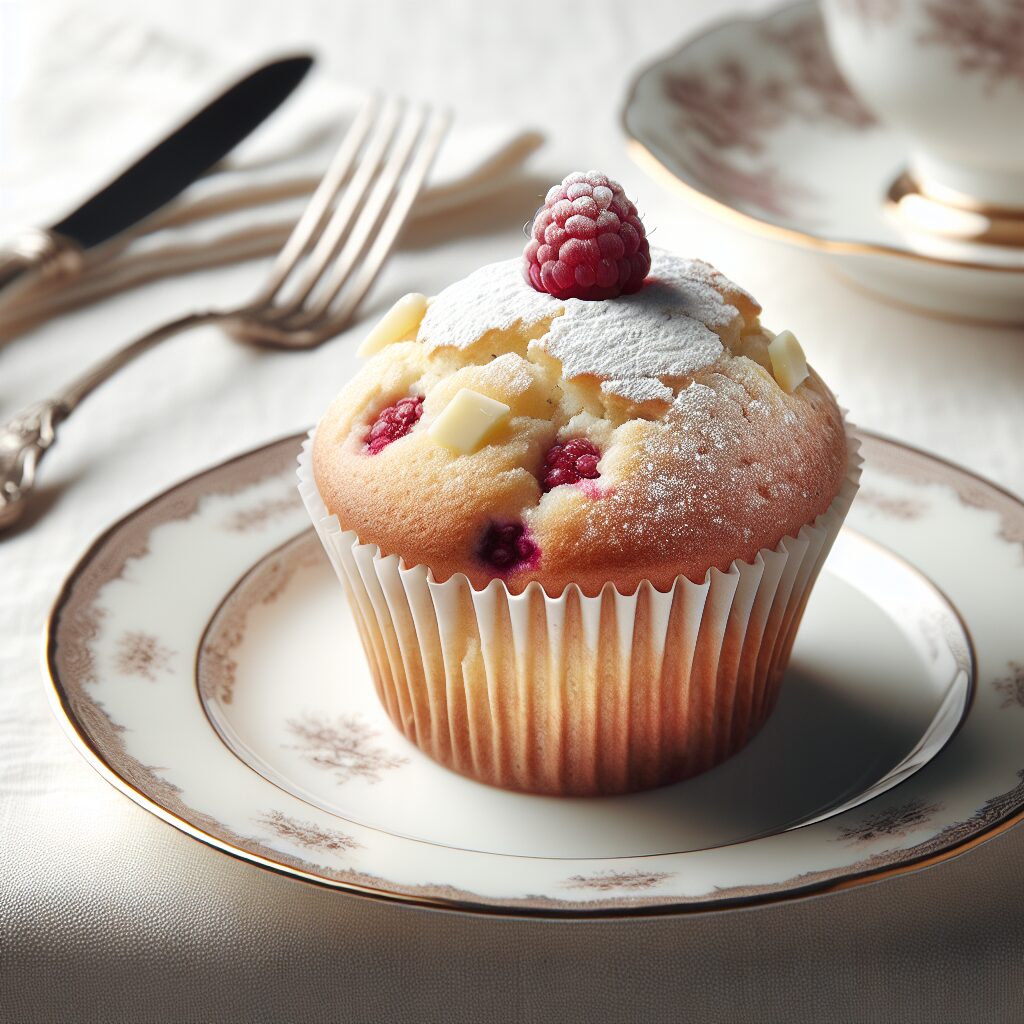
{"x": 575, "y": 694}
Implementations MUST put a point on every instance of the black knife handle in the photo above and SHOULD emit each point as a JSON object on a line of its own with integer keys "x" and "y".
{"x": 36, "y": 256}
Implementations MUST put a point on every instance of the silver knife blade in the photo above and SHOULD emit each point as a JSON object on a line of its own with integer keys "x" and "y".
{"x": 154, "y": 179}
{"x": 173, "y": 164}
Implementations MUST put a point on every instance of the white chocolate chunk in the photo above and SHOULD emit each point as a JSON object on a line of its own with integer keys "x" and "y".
{"x": 789, "y": 365}
{"x": 467, "y": 419}
{"x": 400, "y": 321}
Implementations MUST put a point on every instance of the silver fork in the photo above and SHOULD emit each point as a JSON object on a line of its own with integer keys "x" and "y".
{"x": 320, "y": 276}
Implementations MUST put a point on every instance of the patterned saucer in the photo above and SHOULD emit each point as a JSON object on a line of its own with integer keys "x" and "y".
{"x": 753, "y": 120}
{"x": 203, "y": 661}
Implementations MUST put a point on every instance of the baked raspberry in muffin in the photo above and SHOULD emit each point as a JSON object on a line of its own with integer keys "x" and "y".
{"x": 656, "y": 475}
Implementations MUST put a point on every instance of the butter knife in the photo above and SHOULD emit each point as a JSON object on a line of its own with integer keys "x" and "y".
{"x": 153, "y": 180}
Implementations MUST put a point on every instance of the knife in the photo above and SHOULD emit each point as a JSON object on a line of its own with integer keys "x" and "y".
{"x": 153, "y": 180}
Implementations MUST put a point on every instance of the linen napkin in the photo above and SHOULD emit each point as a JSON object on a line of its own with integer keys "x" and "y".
{"x": 101, "y": 92}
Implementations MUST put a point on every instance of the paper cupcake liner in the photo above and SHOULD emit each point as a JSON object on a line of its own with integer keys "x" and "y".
{"x": 574, "y": 694}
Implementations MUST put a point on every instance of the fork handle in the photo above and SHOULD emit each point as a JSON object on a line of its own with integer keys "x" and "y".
{"x": 26, "y": 438}
{"x": 102, "y": 371}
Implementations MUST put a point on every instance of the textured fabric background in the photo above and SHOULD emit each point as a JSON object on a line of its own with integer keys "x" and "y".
{"x": 107, "y": 914}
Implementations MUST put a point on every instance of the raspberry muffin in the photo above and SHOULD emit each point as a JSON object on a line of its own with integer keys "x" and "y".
{"x": 578, "y": 501}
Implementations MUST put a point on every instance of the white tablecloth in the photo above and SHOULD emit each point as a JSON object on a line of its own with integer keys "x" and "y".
{"x": 108, "y": 914}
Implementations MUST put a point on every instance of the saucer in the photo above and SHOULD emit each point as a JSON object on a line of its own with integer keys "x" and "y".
{"x": 203, "y": 660}
{"x": 753, "y": 120}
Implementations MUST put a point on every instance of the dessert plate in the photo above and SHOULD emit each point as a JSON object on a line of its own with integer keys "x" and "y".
{"x": 202, "y": 659}
{"x": 753, "y": 120}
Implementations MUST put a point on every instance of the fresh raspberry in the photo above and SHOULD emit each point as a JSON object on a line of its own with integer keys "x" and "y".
{"x": 506, "y": 544}
{"x": 569, "y": 463}
{"x": 394, "y": 422}
{"x": 587, "y": 241}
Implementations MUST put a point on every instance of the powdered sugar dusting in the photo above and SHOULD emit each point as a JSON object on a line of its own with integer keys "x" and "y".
{"x": 509, "y": 373}
{"x": 632, "y": 344}
{"x": 638, "y": 389}
{"x": 683, "y": 459}
{"x": 718, "y": 464}
{"x": 660, "y": 331}
{"x": 493, "y": 298}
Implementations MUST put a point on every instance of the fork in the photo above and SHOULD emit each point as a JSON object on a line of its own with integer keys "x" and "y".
{"x": 316, "y": 283}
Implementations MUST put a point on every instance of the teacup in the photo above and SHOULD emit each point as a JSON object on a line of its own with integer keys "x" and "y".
{"x": 950, "y": 75}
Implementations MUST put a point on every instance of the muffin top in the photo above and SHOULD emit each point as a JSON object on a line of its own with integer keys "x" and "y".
{"x": 503, "y": 433}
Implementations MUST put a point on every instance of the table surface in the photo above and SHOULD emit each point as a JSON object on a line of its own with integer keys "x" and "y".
{"x": 107, "y": 913}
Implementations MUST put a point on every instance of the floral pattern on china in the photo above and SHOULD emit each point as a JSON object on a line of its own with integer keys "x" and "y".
{"x": 336, "y": 796}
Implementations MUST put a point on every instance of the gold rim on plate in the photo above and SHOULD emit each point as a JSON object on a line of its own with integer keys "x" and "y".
{"x": 79, "y": 737}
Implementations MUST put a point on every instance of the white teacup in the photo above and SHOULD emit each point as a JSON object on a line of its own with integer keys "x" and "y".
{"x": 950, "y": 74}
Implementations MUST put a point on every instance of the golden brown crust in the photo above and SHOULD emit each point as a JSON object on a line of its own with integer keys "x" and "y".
{"x": 727, "y": 463}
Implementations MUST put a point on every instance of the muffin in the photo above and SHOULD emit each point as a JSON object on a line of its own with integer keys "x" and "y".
{"x": 578, "y": 534}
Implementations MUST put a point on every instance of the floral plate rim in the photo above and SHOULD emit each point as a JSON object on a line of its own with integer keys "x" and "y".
{"x": 1000, "y": 812}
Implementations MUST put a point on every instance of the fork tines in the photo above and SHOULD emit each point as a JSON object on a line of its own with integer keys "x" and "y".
{"x": 344, "y": 236}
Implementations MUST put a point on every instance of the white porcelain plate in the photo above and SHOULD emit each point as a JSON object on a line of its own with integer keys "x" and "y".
{"x": 203, "y": 659}
{"x": 753, "y": 119}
